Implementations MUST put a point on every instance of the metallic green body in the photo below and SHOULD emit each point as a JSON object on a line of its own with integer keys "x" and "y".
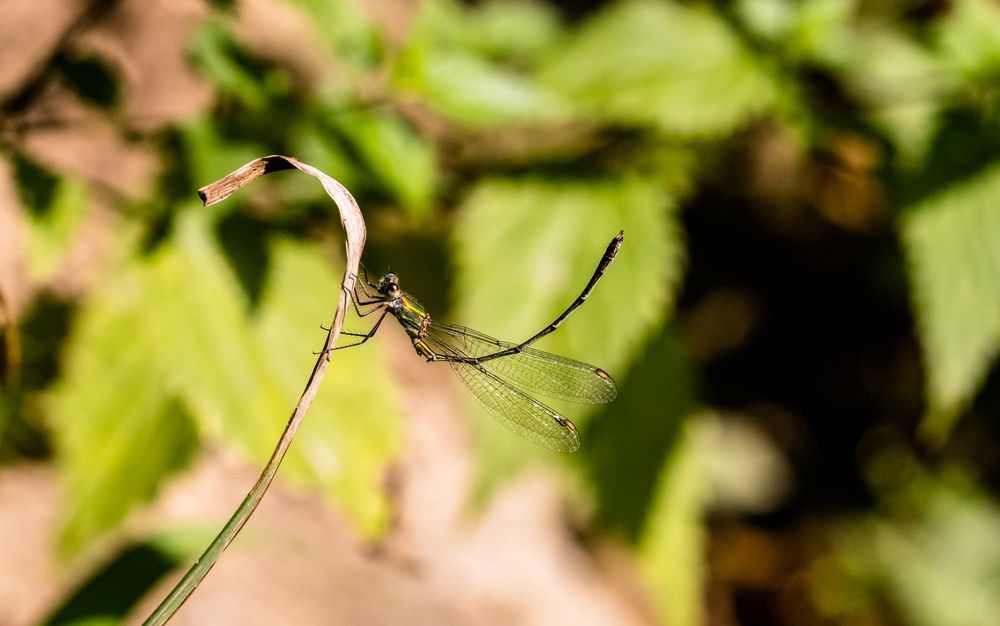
{"x": 414, "y": 320}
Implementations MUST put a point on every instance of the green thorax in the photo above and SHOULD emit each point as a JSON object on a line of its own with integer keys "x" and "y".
{"x": 410, "y": 313}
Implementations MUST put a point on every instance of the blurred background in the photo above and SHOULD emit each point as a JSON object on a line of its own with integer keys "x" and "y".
{"x": 803, "y": 321}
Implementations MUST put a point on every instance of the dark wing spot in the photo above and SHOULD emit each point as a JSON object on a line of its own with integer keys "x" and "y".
{"x": 565, "y": 423}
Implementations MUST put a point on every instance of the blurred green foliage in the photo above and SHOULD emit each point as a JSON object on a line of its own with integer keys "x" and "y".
{"x": 932, "y": 551}
{"x": 520, "y": 141}
{"x": 237, "y": 376}
{"x": 952, "y": 241}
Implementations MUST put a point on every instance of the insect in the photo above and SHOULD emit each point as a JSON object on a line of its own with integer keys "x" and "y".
{"x": 500, "y": 374}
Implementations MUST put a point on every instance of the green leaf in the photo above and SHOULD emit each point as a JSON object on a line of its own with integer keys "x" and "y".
{"x": 969, "y": 39}
{"x": 467, "y": 63}
{"x": 672, "y": 548}
{"x": 242, "y": 376}
{"x": 473, "y": 91}
{"x": 211, "y": 359}
{"x": 628, "y": 442}
{"x": 169, "y": 346}
{"x": 51, "y": 231}
{"x": 894, "y": 69}
{"x": 904, "y": 82}
{"x": 678, "y": 68}
{"x": 524, "y": 250}
{"x": 117, "y": 431}
{"x": 952, "y": 245}
{"x": 400, "y": 159}
{"x": 526, "y": 247}
{"x": 719, "y": 462}
{"x": 821, "y": 30}
{"x": 933, "y": 552}
{"x": 516, "y": 32}
{"x": 216, "y": 53}
{"x": 767, "y": 19}
{"x": 345, "y": 27}
{"x": 811, "y": 31}
{"x": 324, "y": 151}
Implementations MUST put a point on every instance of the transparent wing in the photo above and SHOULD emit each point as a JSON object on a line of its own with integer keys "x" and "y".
{"x": 533, "y": 370}
{"x": 512, "y": 407}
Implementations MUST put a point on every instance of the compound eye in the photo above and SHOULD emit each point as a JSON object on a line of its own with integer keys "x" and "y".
{"x": 388, "y": 284}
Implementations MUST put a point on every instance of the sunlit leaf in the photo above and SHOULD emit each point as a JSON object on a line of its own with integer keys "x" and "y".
{"x": 216, "y": 53}
{"x": 169, "y": 346}
{"x": 672, "y": 547}
{"x": 819, "y": 29}
{"x": 401, "y": 159}
{"x": 770, "y": 19}
{"x": 472, "y": 91}
{"x": 628, "y": 443}
{"x": 244, "y": 375}
{"x": 969, "y": 37}
{"x": 344, "y": 26}
{"x": 892, "y": 69}
{"x": 715, "y": 463}
{"x": 118, "y": 433}
{"x": 467, "y": 63}
{"x": 952, "y": 244}
{"x": 516, "y": 32}
{"x": 676, "y": 67}
{"x": 904, "y": 81}
{"x": 52, "y": 230}
{"x": 525, "y": 248}
{"x": 318, "y": 148}
{"x": 209, "y": 355}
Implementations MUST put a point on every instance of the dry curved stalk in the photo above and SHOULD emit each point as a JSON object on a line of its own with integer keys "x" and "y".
{"x": 354, "y": 230}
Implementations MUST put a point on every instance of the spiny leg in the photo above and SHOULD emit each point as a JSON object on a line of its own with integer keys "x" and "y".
{"x": 364, "y": 285}
{"x": 367, "y": 283}
{"x": 356, "y": 301}
{"x": 364, "y": 336}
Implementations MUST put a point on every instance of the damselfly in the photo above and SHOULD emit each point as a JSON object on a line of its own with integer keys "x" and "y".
{"x": 500, "y": 374}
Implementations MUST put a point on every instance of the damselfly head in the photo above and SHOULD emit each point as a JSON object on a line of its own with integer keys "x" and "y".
{"x": 389, "y": 285}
